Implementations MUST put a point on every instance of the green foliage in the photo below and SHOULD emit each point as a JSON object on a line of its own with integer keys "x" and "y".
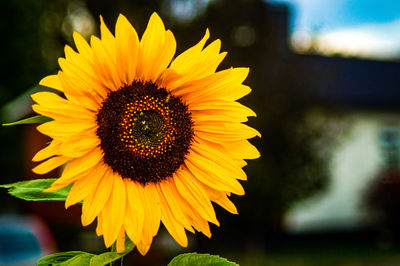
{"x": 194, "y": 259}
{"x": 31, "y": 120}
{"x": 84, "y": 258}
{"x": 62, "y": 258}
{"x": 33, "y": 190}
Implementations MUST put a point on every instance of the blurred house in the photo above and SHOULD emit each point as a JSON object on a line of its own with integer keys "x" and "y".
{"x": 321, "y": 118}
{"x": 366, "y": 95}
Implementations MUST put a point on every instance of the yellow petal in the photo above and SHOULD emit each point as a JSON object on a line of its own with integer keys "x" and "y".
{"x": 109, "y": 47}
{"x": 79, "y": 145}
{"x": 79, "y": 80}
{"x": 223, "y": 166}
{"x": 174, "y": 228}
{"x": 94, "y": 202}
{"x": 121, "y": 241}
{"x": 134, "y": 218}
{"x": 143, "y": 247}
{"x": 83, "y": 187}
{"x": 157, "y": 47}
{"x": 223, "y": 85}
{"x": 63, "y": 129}
{"x": 81, "y": 65}
{"x": 185, "y": 62}
{"x": 51, "y": 150}
{"x": 165, "y": 56}
{"x": 76, "y": 81}
{"x": 215, "y": 155}
{"x": 194, "y": 194}
{"x": 82, "y": 46}
{"x": 212, "y": 175}
{"x": 168, "y": 191}
{"x": 50, "y": 164}
{"x": 222, "y": 105}
{"x": 52, "y": 105}
{"x": 197, "y": 221}
{"x": 217, "y": 115}
{"x": 152, "y": 209}
{"x": 241, "y": 149}
{"x": 193, "y": 64}
{"x": 105, "y": 65}
{"x": 114, "y": 211}
{"x": 127, "y": 42}
{"x": 51, "y": 81}
{"x": 76, "y": 167}
{"x": 47, "y": 98}
{"x": 224, "y": 131}
{"x": 99, "y": 227}
{"x": 220, "y": 198}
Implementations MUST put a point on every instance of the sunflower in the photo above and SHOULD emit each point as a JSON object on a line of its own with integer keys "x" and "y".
{"x": 145, "y": 139}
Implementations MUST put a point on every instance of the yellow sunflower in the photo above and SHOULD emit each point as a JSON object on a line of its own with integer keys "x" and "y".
{"x": 145, "y": 139}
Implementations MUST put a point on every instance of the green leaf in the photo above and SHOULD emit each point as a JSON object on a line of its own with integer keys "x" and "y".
{"x": 33, "y": 190}
{"x": 20, "y": 106}
{"x": 83, "y": 258}
{"x": 63, "y": 258}
{"x": 194, "y": 259}
{"x": 108, "y": 257}
{"x": 31, "y": 120}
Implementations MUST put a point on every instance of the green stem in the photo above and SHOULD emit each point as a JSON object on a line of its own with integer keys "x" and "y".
{"x": 113, "y": 249}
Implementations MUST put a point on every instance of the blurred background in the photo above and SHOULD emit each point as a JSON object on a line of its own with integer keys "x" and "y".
{"x": 325, "y": 78}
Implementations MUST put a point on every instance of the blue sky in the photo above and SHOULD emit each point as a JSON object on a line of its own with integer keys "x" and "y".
{"x": 350, "y": 21}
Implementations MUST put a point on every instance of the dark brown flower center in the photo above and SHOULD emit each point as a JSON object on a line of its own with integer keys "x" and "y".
{"x": 145, "y": 132}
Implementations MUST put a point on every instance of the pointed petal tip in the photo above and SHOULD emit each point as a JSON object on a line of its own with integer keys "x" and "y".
{"x": 246, "y": 70}
{"x": 107, "y": 241}
{"x": 121, "y": 19}
{"x": 37, "y": 170}
{"x": 84, "y": 222}
{"x": 240, "y": 191}
{"x": 155, "y": 15}
{"x": 51, "y": 81}
{"x": 120, "y": 248}
{"x": 76, "y": 34}
{"x": 207, "y": 234}
{"x": 35, "y": 158}
{"x": 43, "y": 82}
{"x": 155, "y": 21}
{"x": 67, "y": 49}
{"x": 34, "y": 97}
{"x": 67, "y": 204}
{"x": 121, "y": 241}
{"x": 143, "y": 248}
{"x": 206, "y": 36}
{"x": 216, "y": 222}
